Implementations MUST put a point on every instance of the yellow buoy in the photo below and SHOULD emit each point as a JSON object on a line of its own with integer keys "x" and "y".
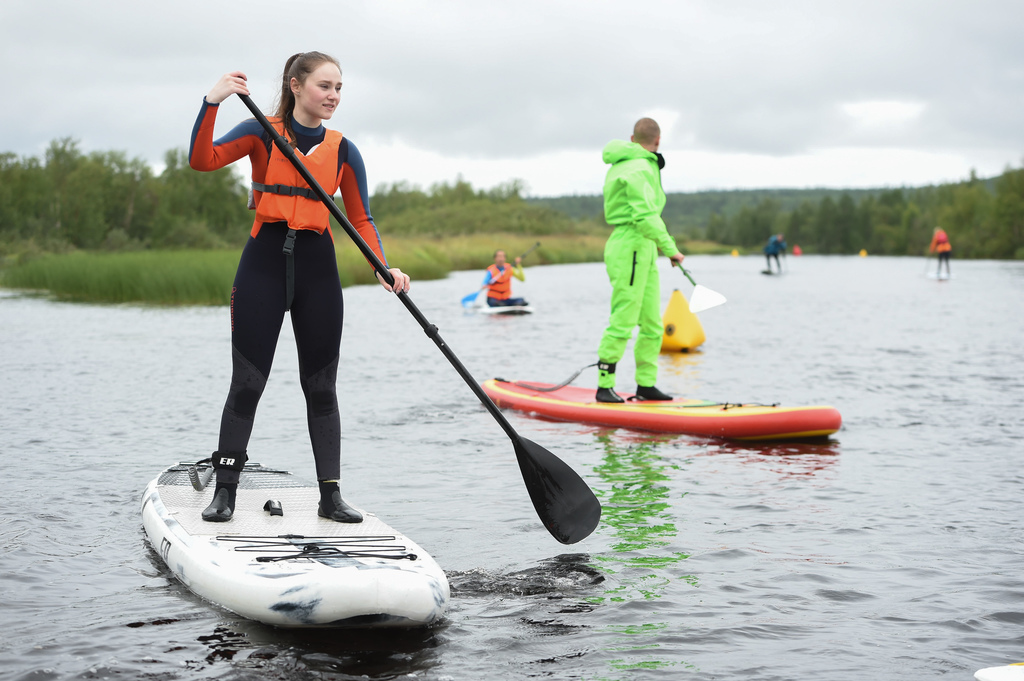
{"x": 863, "y": 252}
{"x": 683, "y": 331}
{"x": 735, "y": 252}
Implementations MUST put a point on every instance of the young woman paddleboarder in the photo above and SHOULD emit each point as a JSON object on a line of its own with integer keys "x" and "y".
{"x": 288, "y": 263}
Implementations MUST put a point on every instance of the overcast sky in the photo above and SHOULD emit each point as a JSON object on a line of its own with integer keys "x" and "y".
{"x": 784, "y": 93}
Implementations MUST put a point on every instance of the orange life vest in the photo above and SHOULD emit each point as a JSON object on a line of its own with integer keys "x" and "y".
{"x": 302, "y": 210}
{"x": 500, "y": 287}
{"x": 940, "y": 242}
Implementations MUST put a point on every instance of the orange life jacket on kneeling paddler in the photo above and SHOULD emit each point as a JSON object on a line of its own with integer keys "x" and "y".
{"x": 500, "y": 287}
{"x": 285, "y": 197}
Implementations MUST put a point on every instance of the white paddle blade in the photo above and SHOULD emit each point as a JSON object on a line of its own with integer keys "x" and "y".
{"x": 704, "y": 298}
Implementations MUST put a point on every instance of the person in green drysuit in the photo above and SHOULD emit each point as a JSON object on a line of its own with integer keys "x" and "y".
{"x": 633, "y": 201}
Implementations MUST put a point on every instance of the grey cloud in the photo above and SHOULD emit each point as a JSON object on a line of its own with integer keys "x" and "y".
{"x": 489, "y": 80}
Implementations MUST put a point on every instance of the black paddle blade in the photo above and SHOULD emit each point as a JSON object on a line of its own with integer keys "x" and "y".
{"x": 564, "y": 502}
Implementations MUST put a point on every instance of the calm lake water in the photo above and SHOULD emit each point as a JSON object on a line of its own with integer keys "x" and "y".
{"x": 893, "y": 551}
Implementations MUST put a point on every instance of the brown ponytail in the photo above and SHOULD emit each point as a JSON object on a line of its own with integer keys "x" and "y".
{"x": 298, "y": 66}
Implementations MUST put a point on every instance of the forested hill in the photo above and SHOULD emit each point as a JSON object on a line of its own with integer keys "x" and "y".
{"x": 66, "y": 199}
{"x": 690, "y": 212}
{"x": 984, "y": 217}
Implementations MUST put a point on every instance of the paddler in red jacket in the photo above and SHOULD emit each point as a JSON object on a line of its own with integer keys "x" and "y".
{"x": 288, "y": 264}
{"x": 941, "y": 246}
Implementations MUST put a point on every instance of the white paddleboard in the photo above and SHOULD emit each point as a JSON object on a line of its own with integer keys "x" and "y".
{"x": 295, "y": 569}
{"x": 1010, "y": 672}
{"x": 506, "y": 309}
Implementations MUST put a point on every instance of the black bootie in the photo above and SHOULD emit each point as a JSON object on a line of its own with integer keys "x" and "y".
{"x": 223, "y": 505}
{"x": 606, "y": 374}
{"x": 652, "y": 394}
{"x": 333, "y": 507}
{"x": 608, "y": 395}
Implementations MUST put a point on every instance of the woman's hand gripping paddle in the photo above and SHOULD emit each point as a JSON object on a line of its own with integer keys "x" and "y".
{"x": 469, "y": 300}
{"x": 563, "y": 501}
{"x": 702, "y": 298}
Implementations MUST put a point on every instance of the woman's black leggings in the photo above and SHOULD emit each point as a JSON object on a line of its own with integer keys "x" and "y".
{"x": 258, "y": 304}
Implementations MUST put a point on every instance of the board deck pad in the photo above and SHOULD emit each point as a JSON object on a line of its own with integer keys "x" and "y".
{"x": 296, "y": 569}
{"x": 299, "y": 500}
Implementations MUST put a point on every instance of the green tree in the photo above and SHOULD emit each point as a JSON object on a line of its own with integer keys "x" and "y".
{"x": 825, "y": 238}
{"x": 1009, "y": 214}
{"x": 199, "y": 209}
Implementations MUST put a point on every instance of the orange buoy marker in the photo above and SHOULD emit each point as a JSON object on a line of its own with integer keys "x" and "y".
{"x": 863, "y": 253}
{"x": 683, "y": 330}
{"x": 797, "y": 250}
{"x": 735, "y": 253}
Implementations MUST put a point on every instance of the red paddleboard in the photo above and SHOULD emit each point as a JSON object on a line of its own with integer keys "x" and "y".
{"x": 684, "y": 416}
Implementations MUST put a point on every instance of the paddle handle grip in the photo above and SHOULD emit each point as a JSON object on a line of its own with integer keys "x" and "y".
{"x": 379, "y": 266}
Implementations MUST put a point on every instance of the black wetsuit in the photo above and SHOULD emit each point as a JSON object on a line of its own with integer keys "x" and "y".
{"x": 257, "y": 312}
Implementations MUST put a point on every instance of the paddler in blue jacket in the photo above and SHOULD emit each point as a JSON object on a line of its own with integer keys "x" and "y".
{"x": 776, "y": 244}
{"x": 633, "y": 201}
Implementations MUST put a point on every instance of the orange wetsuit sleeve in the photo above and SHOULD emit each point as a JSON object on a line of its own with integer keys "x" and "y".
{"x": 245, "y": 139}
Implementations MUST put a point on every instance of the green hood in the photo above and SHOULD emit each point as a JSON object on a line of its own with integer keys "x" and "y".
{"x": 617, "y": 151}
{"x": 632, "y": 192}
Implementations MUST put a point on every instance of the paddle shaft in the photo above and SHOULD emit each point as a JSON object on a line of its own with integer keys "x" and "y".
{"x": 686, "y": 272}
{"x": 530, "y": 250}
{"x": 380, "y": 268}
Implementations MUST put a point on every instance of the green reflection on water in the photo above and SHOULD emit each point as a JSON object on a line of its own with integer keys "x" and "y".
{"x": 637, "y": 508}
{"x": 636, "y": 498}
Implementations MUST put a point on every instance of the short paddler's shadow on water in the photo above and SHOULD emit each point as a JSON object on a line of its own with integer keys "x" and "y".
{"x": 273, "y": 652}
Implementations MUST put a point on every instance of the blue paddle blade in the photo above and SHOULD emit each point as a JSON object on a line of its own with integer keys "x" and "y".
{"x": 470, "y": 299}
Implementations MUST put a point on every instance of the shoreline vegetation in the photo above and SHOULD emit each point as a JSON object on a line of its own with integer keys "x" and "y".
{"x": 99, "y": 227}
{"x": 204, "y": 277}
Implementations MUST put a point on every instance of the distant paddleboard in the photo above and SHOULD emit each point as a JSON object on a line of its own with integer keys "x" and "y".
{"x": 1010, "y": 672}
{"x": 279, "y": 563}
{"x": 506, "y": 309}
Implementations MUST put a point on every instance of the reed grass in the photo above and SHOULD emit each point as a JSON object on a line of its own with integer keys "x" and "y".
{"x": 158, "y": 277}
{"x": 204, "y": 277}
